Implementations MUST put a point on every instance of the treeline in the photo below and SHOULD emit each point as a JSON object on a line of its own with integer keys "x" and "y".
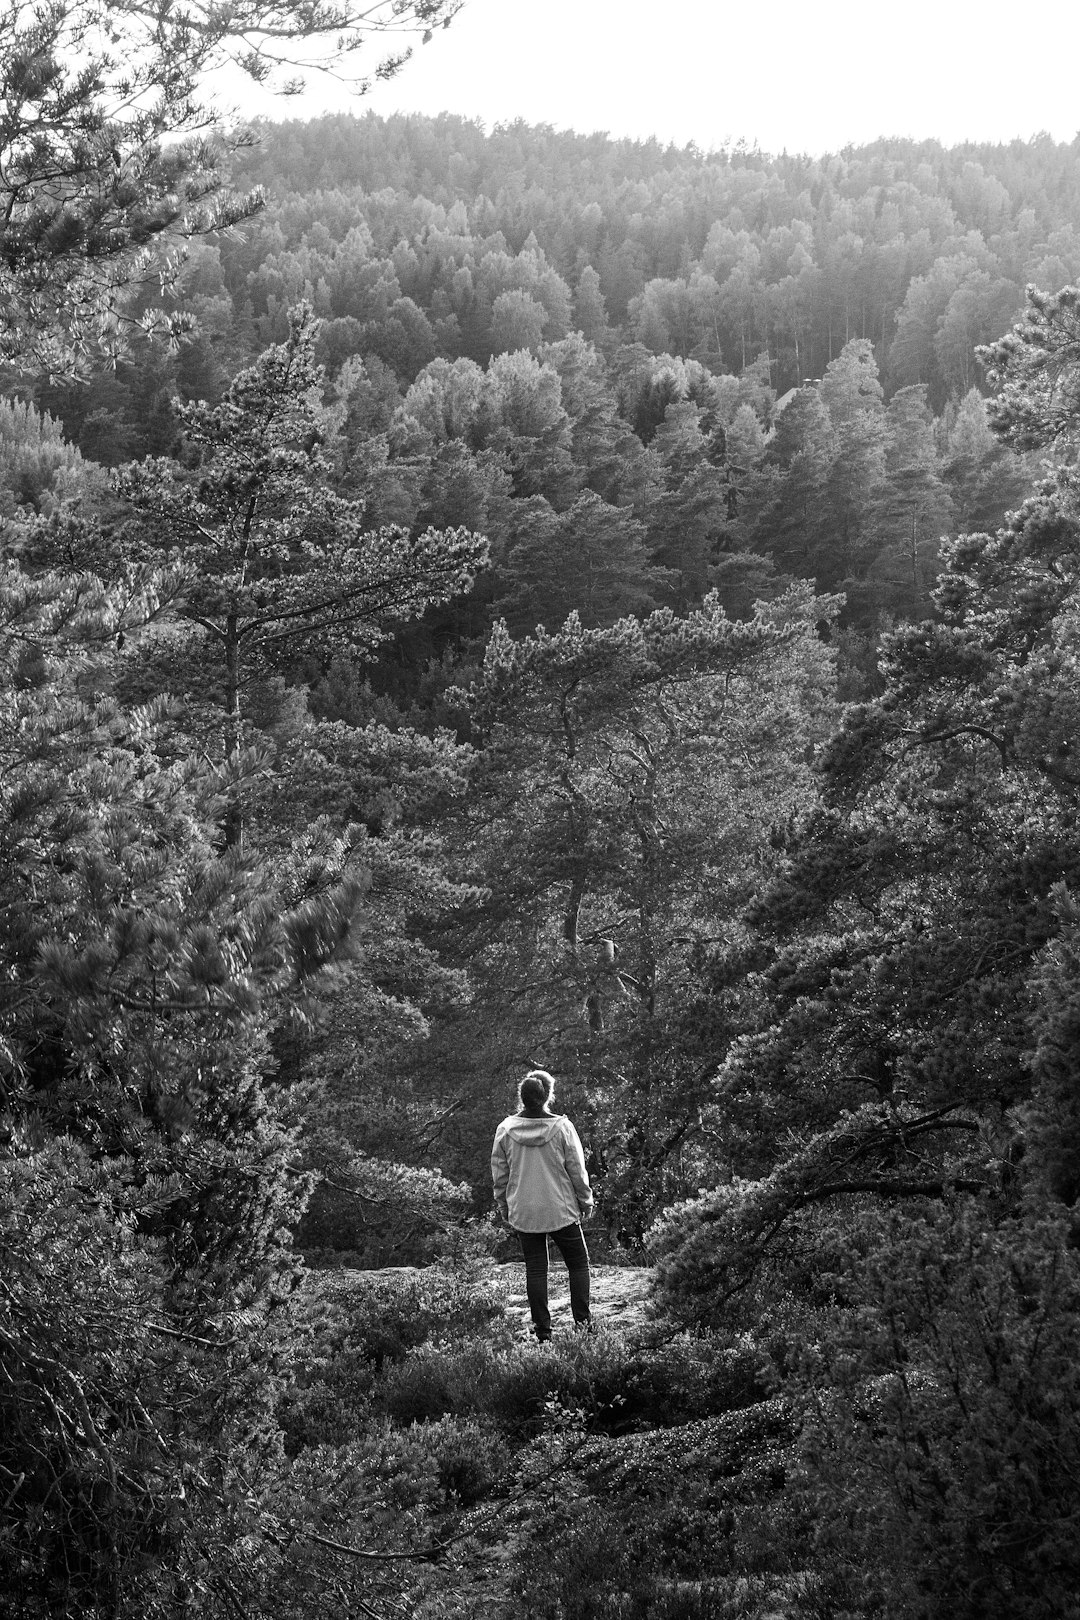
{"x": 922, "y": 250}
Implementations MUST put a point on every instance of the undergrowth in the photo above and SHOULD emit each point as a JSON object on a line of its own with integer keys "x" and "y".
{"x": 501, "y": 1444}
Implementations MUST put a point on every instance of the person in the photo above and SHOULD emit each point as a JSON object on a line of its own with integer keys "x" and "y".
{"x": 542, "y": 1190}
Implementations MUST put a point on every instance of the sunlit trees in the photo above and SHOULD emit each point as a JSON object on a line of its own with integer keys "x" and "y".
{"x": 833, "y": 1008}
{"x": 89, "y": 185}
{"x": 1036, "y": 366}
{"x": 523, "y": 420}
{"x": 39, "y": 469}
{"x": 150, "y": 1177}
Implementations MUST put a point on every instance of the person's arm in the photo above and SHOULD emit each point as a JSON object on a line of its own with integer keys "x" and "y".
{"x": 500, "y": 1171}
{"x": 574, "y": 1160}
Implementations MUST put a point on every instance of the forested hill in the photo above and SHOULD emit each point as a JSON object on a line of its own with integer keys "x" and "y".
{"x": 922, "y": 249}
{"x": 641, "y": 372}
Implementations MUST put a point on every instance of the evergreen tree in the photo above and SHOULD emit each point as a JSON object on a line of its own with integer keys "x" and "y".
{"x": 523, "y": 420}
{"x": 687, "y": 515}
{"x": 39, "y": 469}
{"x": 606, "y": 453}
{"x": 985, "y": 479}
{"x": 852, "y": 395}
{"x": 590, "y": 311}
{"x": 274, "y": 558}
{"x": 791, "y": 524}
{"x": 591, "y": 559}
{"x": 914, "y": 511}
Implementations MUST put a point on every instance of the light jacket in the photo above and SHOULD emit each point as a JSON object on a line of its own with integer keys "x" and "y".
{"x": 538, "y": 1171}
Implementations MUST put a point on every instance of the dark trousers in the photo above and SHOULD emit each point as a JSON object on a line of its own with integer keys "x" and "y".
{"x": 570, "y": 1242}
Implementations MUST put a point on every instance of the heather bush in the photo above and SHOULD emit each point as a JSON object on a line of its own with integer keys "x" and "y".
{"x": 354, "y": 1325}
{"x": 615, "y": 1560}
{"x": 687, "y": 1377}
{"x": 613, "y": 1383}
{"x": 509, "y": 1383}
{"x": 470, "y": 1455}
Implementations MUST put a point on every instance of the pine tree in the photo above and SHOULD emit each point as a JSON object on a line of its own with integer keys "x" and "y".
{"x": 687, "y": 515}
{"x": 590, "y": 559}
{"x": 852, "y": 395}
{"x": 985, "y": 479}
{"x": 791, "y": 524}
{"x": 913, "y": 511}
{"x": 590, "y": 311}
{"x": 275, "y": 561}
{"x": 39, "y": 469}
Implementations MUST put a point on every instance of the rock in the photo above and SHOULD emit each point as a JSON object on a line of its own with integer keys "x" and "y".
{"x": 619, "y": 1295}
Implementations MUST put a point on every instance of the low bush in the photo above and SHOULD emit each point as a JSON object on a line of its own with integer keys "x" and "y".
{"x": 471, "y": 1457}
{"x": 508, "y": 1383}
{"x": 328, "y": 1404}
{"x": 600, "y": 1563}
{"x": 681, "y": 1379}
{"x": 613, "y": 1383}
{"x": 353, "y": 1326}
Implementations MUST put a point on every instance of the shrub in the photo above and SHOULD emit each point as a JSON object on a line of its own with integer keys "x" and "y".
{"x": 470, "y": 1456}
{"x": 681, "y": 1379}
{"x": 509, "y": 1383}
{"x": 611, "y": 1382}
{"x": 354, "y": 1325}
{"x": 328, "y": 1403}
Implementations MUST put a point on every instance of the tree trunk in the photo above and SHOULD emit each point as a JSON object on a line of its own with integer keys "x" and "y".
{"x": 233, "y": 823}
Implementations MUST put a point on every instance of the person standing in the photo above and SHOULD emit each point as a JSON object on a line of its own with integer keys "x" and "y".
{"x": 542, "y": 1190}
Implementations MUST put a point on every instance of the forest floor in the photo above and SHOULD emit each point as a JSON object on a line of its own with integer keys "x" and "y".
{"x": 627, "y": 1472}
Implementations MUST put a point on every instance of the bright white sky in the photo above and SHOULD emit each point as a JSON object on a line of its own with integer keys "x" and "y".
{"x": 805, "y": 75}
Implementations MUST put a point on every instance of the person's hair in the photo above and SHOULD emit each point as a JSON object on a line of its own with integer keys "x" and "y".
{"x": 535, "y": 1092}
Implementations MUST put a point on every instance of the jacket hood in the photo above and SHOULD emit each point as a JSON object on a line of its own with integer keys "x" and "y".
{"x": 532, "y": 1130}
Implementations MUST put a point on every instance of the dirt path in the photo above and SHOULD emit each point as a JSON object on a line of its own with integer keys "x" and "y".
{"x": 619, "y": 1294}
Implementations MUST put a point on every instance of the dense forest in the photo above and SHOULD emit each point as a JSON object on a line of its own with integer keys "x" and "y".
{"x": 510, "y": 598}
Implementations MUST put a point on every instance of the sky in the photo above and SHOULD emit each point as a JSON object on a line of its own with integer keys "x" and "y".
{"x": 795, "y": 75}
